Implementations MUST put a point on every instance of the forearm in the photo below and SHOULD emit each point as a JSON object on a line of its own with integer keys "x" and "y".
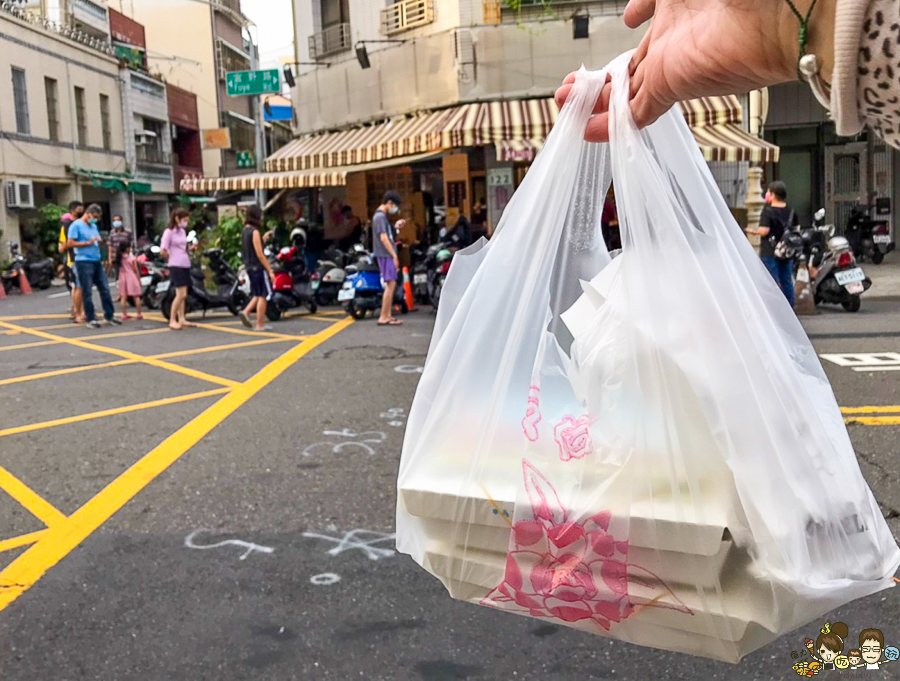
{"x": 79, "y": 244}
{"x": 388, "y": 245}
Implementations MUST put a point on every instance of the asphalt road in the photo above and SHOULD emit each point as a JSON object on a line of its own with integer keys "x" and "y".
{"x": 247, "y": 544}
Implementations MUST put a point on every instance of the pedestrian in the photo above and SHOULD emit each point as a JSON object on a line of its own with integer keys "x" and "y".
{"x": 384, "y": 247}
{"x": 776, "y": 219}
{"x": 698, "y": 48}
{"x": 174, "y": 249}
{"x": 126, "y": 265}
{"x": 84, "y": 237}
{"x": 258, "y": 269}
{"x": 76, "y": 210}
{"x": 117, "y": 237}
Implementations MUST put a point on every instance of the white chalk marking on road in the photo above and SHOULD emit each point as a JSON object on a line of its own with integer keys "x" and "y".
{"x": 325, "y": 579}
{"x": 362, "y": 440}
{"x": 363, "y": 540}
{"x": 249, "y": 546}
{"x": 409, "y": 369}
{"x": 887, "y": 368}
{"x": 395, "y": 414}
{"x": 421, "y": 335}
{"x": 59, "y": 295}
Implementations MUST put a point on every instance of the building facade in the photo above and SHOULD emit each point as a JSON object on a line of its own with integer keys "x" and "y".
{"x": 193, "y": 45}
{"x": 62, "y": 133}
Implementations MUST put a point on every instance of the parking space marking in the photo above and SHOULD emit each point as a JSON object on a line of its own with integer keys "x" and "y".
{"x": 874, "y": 420}
{"x": 111, "y": 412}
{"x": 21, "y": 540}
{"x": 69, "y": 325}
{"x": 62, "y": 537}
{"x": 225, "y": 329}
{"x": 96, "y": 337}
{"x": 889, "y": 409}
{"x": 35, "y": 316}
{"x": 34, "y": 503}
{"x": 125, "y": 354}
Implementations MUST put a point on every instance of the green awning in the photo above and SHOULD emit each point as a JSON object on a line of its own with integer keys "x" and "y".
{"x": 123, "y": 182}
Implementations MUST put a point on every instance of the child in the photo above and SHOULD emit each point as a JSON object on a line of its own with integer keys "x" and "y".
{"x": 855, "y": 658}
{"x": 129, "y": 280}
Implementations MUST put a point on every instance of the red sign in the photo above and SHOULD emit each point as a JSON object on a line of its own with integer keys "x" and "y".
{"x": 125, "y": 30}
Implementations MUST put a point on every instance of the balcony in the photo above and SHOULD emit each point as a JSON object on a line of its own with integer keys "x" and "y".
{"x": 91, "y": 17}
{"x": 406, "y": 14}
{"x": 231, "y": 7}
{"x": 152, "y": 155}
{"x": 333, "y": 39}
{"x": 541, "y": 10}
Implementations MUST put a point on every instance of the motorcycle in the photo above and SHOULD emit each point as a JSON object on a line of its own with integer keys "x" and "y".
{"x": 839, "y": 279}
{"x": 39, "y": 272}
{"x": 363, "y": 290}
{"x": 293, "y": 285}
{"x": 227, "y": 294}
{"x": 329, "y": 277}
{"x": 868, "y": 238}
{"x": 153, "y": 273}
{"x": 815, "y": 239}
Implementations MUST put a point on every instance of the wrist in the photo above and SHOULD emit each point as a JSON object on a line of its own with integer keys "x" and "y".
{"x": 819, "y": 36}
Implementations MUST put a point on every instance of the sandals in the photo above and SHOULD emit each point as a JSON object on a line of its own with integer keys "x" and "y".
{"x": 392, "y": 322}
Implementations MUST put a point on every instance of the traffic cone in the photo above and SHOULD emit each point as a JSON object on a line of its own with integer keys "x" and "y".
{"x": 24, "y": 286}
{"x": 407, "y": 290}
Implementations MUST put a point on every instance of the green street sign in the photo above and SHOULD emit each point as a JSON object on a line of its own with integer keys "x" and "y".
{"x": 246, "y": 159}
{"x": 241, "y": 83}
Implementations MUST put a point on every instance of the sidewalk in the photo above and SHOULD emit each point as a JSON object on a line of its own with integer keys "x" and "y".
{"x": 885, "y": 277}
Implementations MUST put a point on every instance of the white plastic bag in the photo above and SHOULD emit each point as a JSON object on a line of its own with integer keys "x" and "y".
{"x": 646, "y": 447}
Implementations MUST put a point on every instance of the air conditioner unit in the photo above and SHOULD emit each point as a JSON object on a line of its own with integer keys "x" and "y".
{"x": 20, "y": 194}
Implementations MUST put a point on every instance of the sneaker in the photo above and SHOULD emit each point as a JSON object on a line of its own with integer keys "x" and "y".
{"x": 93, "y": 324}
{"x": 112, "y": 321}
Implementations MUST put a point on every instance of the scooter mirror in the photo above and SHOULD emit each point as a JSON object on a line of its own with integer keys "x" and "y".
{"x": 820, "y": 214}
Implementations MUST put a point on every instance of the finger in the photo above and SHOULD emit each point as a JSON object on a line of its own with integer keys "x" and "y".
{"x": 600, "y": 106}
{"x": 639, "y": 11}
{"x": 641, "y": 52}
{"x": 562, "y": 95}
{"x": 597, "y": 129}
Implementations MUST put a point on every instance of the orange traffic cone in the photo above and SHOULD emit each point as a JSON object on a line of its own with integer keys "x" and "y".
{"x": 407, "y": 290}
{"x": 24, "y": 286}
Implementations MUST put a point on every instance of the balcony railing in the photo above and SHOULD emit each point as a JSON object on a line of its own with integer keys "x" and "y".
{"x": 537, "y": 10}
{"x": 406, "y": 14}
{"x": 233, "y": 6}
{"x": 333, "y": 39}
{"x": 148, "y": 154}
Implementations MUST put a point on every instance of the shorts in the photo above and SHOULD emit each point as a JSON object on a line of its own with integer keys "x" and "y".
{"x": 260, "y": 286}
{"x": 388, "y": 271}
{"x": 71, "y": 274}
{"x": 180, "y": 276}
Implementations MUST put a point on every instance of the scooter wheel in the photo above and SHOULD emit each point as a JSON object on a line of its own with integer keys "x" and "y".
{"x": 877, "y": 257}
{"x": 853, "y": 304}
{"x": 273, "y": 313}
{"x": 312, "y": 307}
{"x": 166, "y": 304}
{"x": 355, "y": 312}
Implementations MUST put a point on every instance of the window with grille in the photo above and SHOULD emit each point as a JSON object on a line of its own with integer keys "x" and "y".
{"x": 231, "y": 59}
{"x": 20, "y": 97}
{"x": 51, "y": 92}
{"x": 243, "y": 134}
{"x": 104, "y": 122}
{"x": 81, "y": 116}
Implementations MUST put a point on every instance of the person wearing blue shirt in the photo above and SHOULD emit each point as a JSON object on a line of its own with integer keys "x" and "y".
{"x": 84, "y": 238}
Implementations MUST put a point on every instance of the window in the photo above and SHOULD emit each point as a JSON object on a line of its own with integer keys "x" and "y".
{"x": 231, "y": 58}
{"x": 20, "y": 96}
{"x": 104, "y": 122}
{"x": 51, "y": 91}
{"x": 80, "y": 117}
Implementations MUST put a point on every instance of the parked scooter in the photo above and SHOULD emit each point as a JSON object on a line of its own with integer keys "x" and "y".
{"x": 868, "y": 238}
{"x": 329, "y": 277}
{"x": 363, "y": 290}
{"x": 39, "y": 272}
{"x": 153, "y": 273}
{"x": 227, "y": 294}
{"x": 815, "y": 239}
{"x": 293, "y": 284}
{"x": 839, "y": 280}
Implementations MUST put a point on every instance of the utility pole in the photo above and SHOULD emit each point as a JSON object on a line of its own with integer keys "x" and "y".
{"x": 259, "y": 194}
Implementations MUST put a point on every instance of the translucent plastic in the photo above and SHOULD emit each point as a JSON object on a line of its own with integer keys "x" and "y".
{"x": 643, "y": 447}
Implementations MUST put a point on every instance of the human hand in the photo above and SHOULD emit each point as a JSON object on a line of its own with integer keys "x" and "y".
{"x": 697, "y": 48}
{"x": 396, "y": 263}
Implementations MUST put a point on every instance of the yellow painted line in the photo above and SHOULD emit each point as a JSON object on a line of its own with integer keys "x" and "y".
{"x": 895, "y": 409}
{"x": 23, "y": 540}
{"x": 39, "y": 507}
{"x": 874, "y": 420}
{"x": 193, "y": 373}
{"x": 42, "y": 328}
{"x": 218, "y": 348}
{"x": 34, "y": 316}
{"x": 316, "y": 317}
{"x": 111, "y": 412}
{"x": 61, "y": 538}
{"x": 95, "y": 337}
{"x": 247, "y": 332}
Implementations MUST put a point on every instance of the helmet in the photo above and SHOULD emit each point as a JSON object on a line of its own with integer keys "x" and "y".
{"x": 298, "y": 233}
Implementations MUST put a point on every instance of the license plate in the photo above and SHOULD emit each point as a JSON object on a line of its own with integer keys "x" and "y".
{"x": 162, "y": 287}
{"x": 855, "y": 288}
{"x": 849, "y": 276}
{"x": 346, "y": 294}
{"x": 146, "y": 280}
{"x": 420, "y": 279}
{"x": 882, "y": 238}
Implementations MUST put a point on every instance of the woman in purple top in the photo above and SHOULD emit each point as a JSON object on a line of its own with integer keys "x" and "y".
{"x": 174, "y": 249}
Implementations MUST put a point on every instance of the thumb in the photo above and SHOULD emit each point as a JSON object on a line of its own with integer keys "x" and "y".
{"x": 639, "y": 11}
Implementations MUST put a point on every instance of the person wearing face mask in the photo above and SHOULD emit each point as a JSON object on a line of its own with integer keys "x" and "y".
{"x": 118, "y": 238}
{"x": 174, "y": 248}
{"x": 76, "y": 210}
{"x": 84, "y": 237}
{"x": 384, "y": 240}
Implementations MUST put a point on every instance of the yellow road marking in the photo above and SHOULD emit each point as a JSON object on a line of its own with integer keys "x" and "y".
{"x": 34, "y": 316}
{"x": 874, "y": 420}
{"x": 41, "y": 328}
{"x": 316, "y": 317}
{"x": 127, "y": 355}
{"x": 39, "y": 507}
{"x": 248, "y": 332}
{"x": 895, "y": 409}
{"x": 111, "y": 412}
{"x": 23, "y": 540}
{"x": 61, "y": 538}
{"x": 122, "y": 334}
{"x": 123, "y": 362}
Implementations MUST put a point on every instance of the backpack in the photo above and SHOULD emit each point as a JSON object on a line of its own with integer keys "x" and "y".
{"x": 790, "y": 245}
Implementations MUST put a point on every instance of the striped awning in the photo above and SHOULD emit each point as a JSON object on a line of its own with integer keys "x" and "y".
{"x": 715, "y": 124}
{"x": 473, "y": 125}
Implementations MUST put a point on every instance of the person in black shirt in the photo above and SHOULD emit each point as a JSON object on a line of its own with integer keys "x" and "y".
{"x": 776, "y": 217}
{"x": 259, "y": 271}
